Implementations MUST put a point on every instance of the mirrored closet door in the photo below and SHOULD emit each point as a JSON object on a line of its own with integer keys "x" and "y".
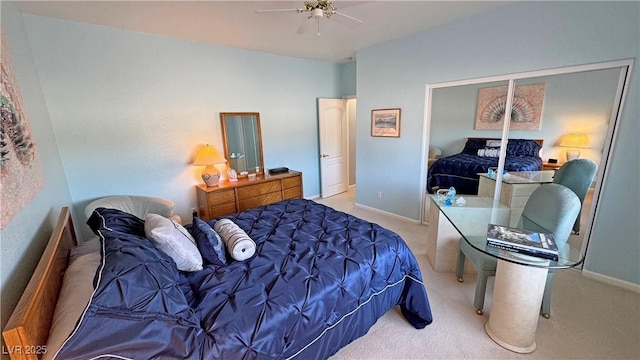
{"x": 572, "y": 111}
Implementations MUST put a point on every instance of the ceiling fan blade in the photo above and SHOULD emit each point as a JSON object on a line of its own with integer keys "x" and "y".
{"x": 303, "y": 26}
{"x": 348, "y": 16}
{"x": 279, "y": 10}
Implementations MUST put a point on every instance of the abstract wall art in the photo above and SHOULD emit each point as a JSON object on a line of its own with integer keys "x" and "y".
{"x": 21, "y": 172}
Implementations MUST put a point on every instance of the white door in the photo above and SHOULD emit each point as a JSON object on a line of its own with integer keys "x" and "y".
{"x": 334, "y": 154}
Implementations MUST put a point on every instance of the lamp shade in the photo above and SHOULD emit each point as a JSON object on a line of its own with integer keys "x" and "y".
{"x": 208, "y": 155}
{"x": 575, "y": 140}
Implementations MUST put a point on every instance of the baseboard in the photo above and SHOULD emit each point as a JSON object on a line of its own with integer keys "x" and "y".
{"x": 612, "y": 281}
{"x": 396, "y": 216}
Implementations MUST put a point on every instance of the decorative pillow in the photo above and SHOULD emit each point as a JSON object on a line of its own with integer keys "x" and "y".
{"x": 492, "y": 152}
{"x": 208, "y": 242}
{"x": 523, "y": 147}
{"x": 474, "y": 144}
{"x": 489, "y": 152}
{"x": 174, "y": 240}
{"x": 239, "y": 245}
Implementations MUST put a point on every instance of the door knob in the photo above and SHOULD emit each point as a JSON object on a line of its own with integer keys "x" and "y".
{"x": 324, "y": 155}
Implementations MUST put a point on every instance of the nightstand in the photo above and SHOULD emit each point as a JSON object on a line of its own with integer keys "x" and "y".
{"x": 549, "y": 166}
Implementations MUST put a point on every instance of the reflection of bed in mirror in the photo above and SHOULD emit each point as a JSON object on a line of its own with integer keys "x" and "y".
{"x": 479, "y": 154}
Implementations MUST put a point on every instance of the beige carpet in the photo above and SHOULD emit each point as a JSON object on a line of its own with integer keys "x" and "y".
{"x": 589, "y": 319}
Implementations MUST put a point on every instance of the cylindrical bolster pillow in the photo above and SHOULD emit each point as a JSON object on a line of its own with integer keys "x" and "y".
{"x": 238, "y": 243}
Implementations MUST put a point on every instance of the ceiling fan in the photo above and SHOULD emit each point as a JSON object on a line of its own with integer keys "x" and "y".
{"x": 317, "y": 10}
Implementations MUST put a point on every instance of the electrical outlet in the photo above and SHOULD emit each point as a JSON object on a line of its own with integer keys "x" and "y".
{"x": 379, "y": 194}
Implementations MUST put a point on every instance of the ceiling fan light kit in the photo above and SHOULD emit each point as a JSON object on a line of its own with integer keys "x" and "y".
{"x": 317, "y": 13}
{"x": 317, "y": 10}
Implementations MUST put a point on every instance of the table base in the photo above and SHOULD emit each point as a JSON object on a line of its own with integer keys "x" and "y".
{"x": 515, "y": 309}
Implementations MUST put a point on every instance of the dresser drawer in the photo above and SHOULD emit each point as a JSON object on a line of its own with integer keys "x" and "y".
{"x": 292, "y": 182}
{"x": 220, "y": 196}
{"x": 222, "y": 209}
{"x": 292, "y": 193}
{"x": 249, "y": 191}
{"x": 263, "y": 199}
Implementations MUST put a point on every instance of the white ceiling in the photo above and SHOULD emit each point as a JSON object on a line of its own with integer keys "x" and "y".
{"x": 237, "y": 24}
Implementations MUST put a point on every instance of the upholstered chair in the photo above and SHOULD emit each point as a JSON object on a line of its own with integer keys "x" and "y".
{"x": 139, "y": 206}
{"x": 577, "y": 175}
{"x": 550, "y": 208}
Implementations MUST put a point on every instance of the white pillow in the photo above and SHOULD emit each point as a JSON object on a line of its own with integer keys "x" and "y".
{"x": 84, "y": 248}
{"x": 493, "y": 143}
{"x": 75, "y": 293}
{"x": 174, "y": 240}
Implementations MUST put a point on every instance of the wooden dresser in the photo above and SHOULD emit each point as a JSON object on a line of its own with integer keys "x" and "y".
{"x": 231, "y": 197}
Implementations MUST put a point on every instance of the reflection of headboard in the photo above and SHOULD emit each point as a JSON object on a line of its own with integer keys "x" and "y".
{"x": 539, "y": 141}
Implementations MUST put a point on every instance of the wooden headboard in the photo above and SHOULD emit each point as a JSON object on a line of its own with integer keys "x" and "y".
{"x": 25, "y": 335}
{"x": 539, "y": 141}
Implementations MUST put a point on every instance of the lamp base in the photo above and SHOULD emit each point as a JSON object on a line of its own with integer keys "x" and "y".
{"x": 211, "y": 176}
{"x": 572, "y": 154}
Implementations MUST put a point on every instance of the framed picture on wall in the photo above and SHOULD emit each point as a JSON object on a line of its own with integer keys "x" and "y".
{"x": 525, "y": 111}
{"x": 385, "y": 122}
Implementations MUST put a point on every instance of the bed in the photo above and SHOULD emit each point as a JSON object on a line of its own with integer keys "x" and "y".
{"x": 479, "y": 154}
{"x": 319, "y": 279}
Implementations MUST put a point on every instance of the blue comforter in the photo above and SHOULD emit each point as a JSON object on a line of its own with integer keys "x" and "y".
{"x": 320, "y": 279}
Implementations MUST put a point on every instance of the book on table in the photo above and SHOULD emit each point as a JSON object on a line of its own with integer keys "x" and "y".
{"x": 522, "y": 241}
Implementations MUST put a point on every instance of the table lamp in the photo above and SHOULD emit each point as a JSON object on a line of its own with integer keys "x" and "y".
{"x": 574, "y": 141}
{"x": 209, "y": 156}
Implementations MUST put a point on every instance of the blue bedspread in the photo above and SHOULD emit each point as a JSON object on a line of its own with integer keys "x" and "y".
{"x": 461, "y": 170}
{"x": 320, "y": 279}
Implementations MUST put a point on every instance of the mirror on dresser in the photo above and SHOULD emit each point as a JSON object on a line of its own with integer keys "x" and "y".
{"x": 242, "y": 141}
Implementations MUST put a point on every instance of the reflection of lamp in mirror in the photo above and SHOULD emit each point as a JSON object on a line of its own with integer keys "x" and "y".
{"x": 574, "y": 141}
{"x": 209, "y": 156}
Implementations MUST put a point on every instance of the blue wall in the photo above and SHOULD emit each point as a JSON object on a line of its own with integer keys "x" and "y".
{"x": 130, "y": 109}
{"x": 348, "y": 79}
{"x": 24, "y": 238}
{"x": 522, "y": 37}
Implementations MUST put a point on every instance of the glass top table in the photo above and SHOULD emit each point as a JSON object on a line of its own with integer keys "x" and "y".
{"x": 520, "y": 280}
{"x": 472, "y": 218}
{"x": 525, "y": 177}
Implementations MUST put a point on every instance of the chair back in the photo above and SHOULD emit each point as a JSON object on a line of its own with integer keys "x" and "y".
{"x": 139, "y": 206}
{"x": 551, "y": 208}
{"x": 577, "y": 175}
